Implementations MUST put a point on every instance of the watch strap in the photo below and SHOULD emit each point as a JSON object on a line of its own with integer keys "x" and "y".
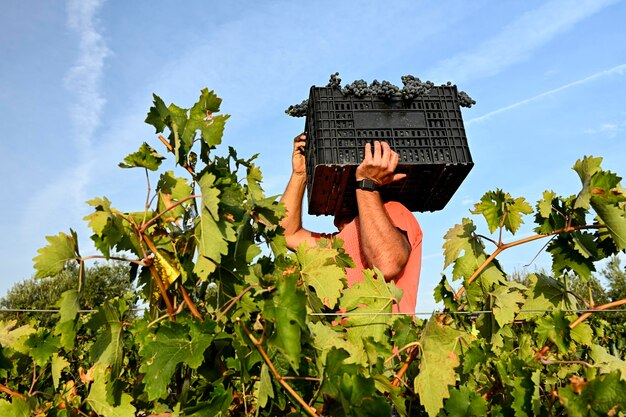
{"x": 367, "y": 185}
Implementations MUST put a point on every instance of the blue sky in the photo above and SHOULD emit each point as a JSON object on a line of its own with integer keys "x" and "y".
{"x": 77, "y": 80}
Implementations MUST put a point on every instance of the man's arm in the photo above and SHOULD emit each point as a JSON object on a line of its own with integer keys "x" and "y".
{"x": 383, "y": 245}
{"x": 295, "y": 234}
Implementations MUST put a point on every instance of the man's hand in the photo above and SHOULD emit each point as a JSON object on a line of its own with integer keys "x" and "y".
{"x": 380, "y": 165}
{"x": 298, "y": 159}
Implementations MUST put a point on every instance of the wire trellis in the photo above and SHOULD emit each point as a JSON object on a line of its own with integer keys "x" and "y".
{"x": 339, "y": 313}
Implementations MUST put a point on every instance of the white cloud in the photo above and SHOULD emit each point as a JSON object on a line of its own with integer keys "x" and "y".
{"x": 516, "y": 41}
{"x": 617, "y": 70}
{"x": 83, "y": 79}
{"x": 607, "y": 129}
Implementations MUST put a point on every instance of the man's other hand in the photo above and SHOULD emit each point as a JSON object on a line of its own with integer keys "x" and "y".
{"x": 298, "y": 160}
{"x": 379, "y": 165}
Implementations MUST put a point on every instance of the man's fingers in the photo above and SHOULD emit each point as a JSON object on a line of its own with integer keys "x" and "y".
{"x": 368, "y": 152}
{"x": 397, "y": 177}
{"x": 377, "y": 152}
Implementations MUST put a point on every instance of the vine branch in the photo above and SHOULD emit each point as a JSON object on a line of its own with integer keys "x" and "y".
{"x": 12, "y": 393}
{"x": 506, "y": 246}
{"x": 310, "y": 410}
{"x": 147, "y": 224}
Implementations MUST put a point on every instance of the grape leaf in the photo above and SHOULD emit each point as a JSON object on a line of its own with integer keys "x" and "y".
{"x": 58, "y": 364}
{"x": 586, "y": 169}
{"x": 544, "y": 206}
{"x": 500, "y": 209}
{"x": 265, "y": 387}
{"x": 465, "y": 402}
{"x": 440, "y": 345}
{"x": 97, "y": 398}
{"x": 608, "y": 363}
{"x": 367, "y": 304}
{"x": 42, "y": 345}
{"x": 287, "y": 309}
{"x": 146, "y": 157}
{"x": 507, "y": 302}
{"x": 602, "y": 396}
{"x": 53, "y": 257}
{"x": 582, "y": 334}
{"x": 585, "y": 244}
{"x": 460, "y": 238}
{"x": 320, "y": 271}
{"x": 545, "y": 293}
{"x": 16, "y": 408}
{"x": 211, "y": 232}
{"x": 554, "y": 328}
{"x": 565, "y": 258}
{"x": 173, "y": 343}
{"x": 108, "y": 347}
{"x": 614, "y": 218}
{"x": 68, "y": 304}
{"x": 157, "y": 114}
{"x": 13, "y": 337}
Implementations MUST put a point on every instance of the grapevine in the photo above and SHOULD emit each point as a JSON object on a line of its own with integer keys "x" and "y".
{"x": 237, "y": 326}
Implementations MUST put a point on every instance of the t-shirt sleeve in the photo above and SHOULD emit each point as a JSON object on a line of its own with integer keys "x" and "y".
{"x": 404, "y": 220}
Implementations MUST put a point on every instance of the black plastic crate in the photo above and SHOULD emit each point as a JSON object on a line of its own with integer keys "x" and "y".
{"x": 426, "y": 132}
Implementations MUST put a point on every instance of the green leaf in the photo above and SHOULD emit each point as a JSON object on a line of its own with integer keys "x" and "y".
{"x": 266, "y": 389}
{"x": 13, "y": 337}
{"x": 566, "y": 258}
{"x": 608, "y": 363}
{"x": 458, "y": 239}
{"x": 545, "y": 293}
{"x": 465, "y": 402}
{"x": 173, "y": 343}
{"x": 53, "y": 257}
{"x": 207, "y": 102}
{"x": 287, "y": 309}
{"x": 368, "y": 305}
{"x": 16, "y": 408}
{"x": 582, "y": 334}
{"x": 69, "y": 304}
{"x": 97, "y": 398}
{"x": 440, "y": 345}
{"x": 500, "y": 209}
{"x": 157, "y": 114}
{"x": 320, "y": 271}
{"x": 585, "y": 244}
{"x": 212, "y": 233}
{"x": 146, "y": 157}
{"x": 614, "y": 218}
{"x": 108, "y": 347}
{"x": 507, "y": 302}
{"x": 42, "y": 345}
{"x": 58, "y": 364}
{"x": 554, "y": 328}
{"x": 325, "y": 338}
{"x": 586, "y": 169}
{"x": 544, "y": 206}
{"x": 602, "y": 396}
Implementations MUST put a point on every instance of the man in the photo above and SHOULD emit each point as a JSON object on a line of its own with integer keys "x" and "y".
{"x": 383, "y": 235}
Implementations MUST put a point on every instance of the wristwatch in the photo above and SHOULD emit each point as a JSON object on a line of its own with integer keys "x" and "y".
{"x": 367, "y": 185}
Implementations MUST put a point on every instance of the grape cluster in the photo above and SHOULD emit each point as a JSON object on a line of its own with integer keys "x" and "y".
{"x": 465, "y": 100}
{"x": 335, "y": 81}
{"x": 414, "y": 87}
{"x": 298, "y": 110}
{"x": 358, "y": 88}
{"x": 385, "y": 90}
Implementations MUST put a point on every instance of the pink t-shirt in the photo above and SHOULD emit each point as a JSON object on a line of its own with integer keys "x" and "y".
{"x": 408, "y": 279}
